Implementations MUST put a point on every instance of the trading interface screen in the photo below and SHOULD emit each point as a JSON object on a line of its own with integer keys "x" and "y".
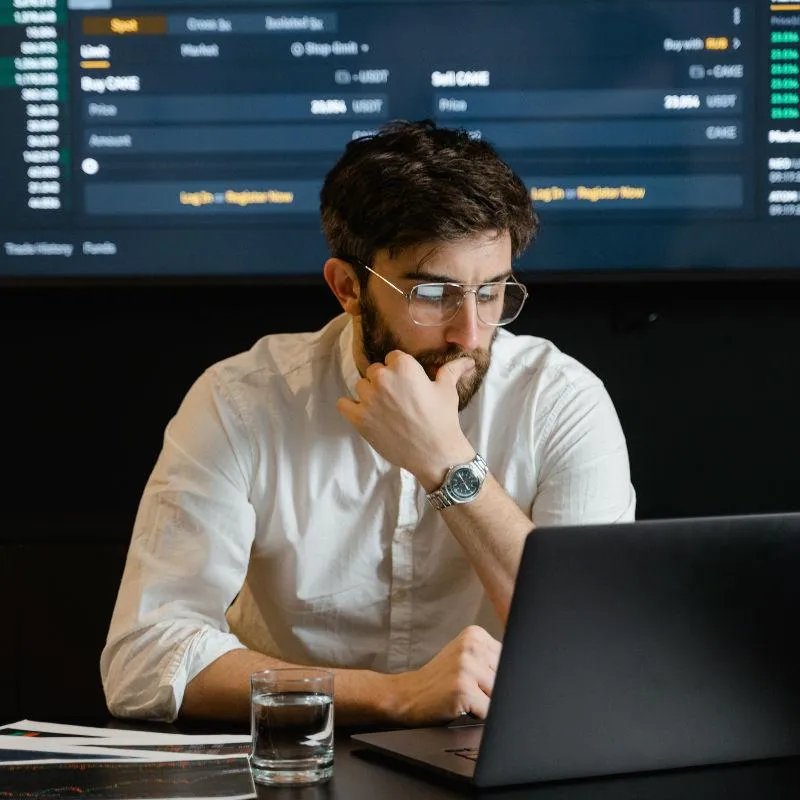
{"x": 191, "y": 138}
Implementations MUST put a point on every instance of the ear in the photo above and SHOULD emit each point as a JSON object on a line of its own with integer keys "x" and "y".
{"x": 343, "y": 282}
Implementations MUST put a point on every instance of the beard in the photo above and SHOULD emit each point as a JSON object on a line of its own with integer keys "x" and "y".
{"x": 378, "y": 341}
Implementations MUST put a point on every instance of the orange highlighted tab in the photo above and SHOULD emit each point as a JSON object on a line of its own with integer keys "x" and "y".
{"x": 125, "y": 26}
{"x": 717, "y": 43}
{"x": 95, "y": 64}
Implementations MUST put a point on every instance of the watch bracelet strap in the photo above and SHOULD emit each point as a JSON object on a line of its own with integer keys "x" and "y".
{"x": 439, "y": 499}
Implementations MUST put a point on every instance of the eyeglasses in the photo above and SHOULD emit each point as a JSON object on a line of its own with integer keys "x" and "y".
{"x": 437, "y": 303}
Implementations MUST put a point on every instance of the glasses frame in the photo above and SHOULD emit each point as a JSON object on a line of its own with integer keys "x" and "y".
{"x": 466, "y": 288}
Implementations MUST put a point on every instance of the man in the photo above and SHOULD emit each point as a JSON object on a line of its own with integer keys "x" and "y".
{"x": 358, "y": 497}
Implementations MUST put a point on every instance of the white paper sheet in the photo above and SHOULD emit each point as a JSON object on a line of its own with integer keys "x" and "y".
{"x": 145, "y": 737}
{"x": 73, "y": 743}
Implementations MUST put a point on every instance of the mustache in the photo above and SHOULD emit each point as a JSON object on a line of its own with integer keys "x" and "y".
{"x": 432, "y": 359}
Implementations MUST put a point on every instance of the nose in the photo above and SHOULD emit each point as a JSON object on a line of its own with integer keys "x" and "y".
{"x": 464, "y": 328}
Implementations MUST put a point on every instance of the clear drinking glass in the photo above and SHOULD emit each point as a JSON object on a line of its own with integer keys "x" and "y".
{"x": 291, "y": 719}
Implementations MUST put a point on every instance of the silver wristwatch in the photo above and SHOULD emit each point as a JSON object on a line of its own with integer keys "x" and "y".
{"x": 462, "y": 483}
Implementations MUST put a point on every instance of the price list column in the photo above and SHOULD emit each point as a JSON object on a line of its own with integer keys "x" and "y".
{"x": 34, "y": 147}
{"x": 784, "y": 59}
{"x": 784, "y": 110}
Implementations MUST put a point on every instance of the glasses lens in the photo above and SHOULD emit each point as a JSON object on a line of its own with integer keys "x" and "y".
{"x": 500, "y": 303}
{"x": 435, "y": 303}
{"x": 438, "y": 303}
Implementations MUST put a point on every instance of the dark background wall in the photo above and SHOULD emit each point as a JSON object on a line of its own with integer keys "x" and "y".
{"x": 704, "y": 377}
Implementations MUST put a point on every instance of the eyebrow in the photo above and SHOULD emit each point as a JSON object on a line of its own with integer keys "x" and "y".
{"x": 433, "y": 277}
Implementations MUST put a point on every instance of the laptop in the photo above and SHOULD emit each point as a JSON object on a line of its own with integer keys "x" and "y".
{"x": 633, "y": 647}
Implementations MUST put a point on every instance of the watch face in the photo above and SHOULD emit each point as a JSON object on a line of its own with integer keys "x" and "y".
{"x": 464, "y": 484}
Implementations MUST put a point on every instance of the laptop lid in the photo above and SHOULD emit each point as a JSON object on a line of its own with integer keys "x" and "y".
{"x": 643, "y": 646}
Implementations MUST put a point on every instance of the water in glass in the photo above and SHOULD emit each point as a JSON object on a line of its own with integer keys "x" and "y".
{"x": 292, "y": 737}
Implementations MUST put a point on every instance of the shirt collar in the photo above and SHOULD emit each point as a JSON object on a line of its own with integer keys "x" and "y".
{"x": 350, "y": 373}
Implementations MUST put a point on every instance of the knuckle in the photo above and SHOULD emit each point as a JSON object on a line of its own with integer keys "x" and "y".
{"x": 473, "y": 634}
{"x": 401, "y": 360}
{"x": 378, "y": 375}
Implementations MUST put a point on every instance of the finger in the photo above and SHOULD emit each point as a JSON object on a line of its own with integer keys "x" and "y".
{"x": 394, "y": 357}
{"x": 477, "y": 704}
{"x": 372, "y": 371}
{"x": 493, "y": 648}
{"x": 348, "y": 409}
{"x": 400, "y": 361}
{"x": 454, "y": 370}
{"x": 481, "y": 661}
{"x": 363, "y": 388}
{"x": 485, "y": 680}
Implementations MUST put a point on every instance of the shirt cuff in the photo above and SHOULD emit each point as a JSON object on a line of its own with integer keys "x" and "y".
{"x": 205, "y": 647}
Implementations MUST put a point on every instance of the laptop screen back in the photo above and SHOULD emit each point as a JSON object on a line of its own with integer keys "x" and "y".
{"x": 648, "y": 645}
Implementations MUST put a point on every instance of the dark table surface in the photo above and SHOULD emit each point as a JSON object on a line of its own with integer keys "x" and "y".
{"x": 360, "y": 775}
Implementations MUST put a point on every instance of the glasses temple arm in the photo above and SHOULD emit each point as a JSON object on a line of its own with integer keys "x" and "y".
{"x": 388, "y": 282}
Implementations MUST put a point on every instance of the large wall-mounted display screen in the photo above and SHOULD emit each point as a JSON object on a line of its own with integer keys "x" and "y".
{"x": 189, "y": 139}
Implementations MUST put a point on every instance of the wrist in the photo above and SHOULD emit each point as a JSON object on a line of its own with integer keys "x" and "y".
{"x": 394, "y": 704}
{"x": 433, "y": 472}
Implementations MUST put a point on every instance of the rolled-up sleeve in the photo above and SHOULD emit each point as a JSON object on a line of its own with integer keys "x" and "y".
{"x": 187, "y": 559}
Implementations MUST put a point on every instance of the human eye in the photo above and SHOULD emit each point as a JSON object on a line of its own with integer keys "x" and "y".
{"x": 432, "y": 293}
{"x": 490, "y": 292}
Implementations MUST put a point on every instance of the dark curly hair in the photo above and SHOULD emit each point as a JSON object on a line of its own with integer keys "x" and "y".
{"x": 412, "y": 183}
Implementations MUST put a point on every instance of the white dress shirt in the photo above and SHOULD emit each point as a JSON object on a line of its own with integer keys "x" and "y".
{"x": 268, "y": 522}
